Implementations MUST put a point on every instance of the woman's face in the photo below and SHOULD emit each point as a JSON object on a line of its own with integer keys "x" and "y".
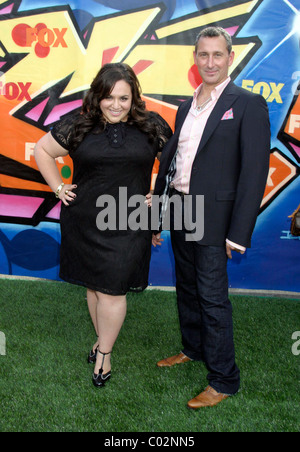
{"x": 116, "y": 107}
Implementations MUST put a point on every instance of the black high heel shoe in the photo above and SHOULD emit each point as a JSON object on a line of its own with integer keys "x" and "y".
{"x": 100, "y": 379}
{"x": 92, "y": 356}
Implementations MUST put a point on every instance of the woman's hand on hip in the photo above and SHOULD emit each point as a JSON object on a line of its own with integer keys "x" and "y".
{"x": 67, "y": 194}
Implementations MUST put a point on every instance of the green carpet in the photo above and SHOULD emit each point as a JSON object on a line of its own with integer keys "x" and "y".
{"x": 45, "y": 381}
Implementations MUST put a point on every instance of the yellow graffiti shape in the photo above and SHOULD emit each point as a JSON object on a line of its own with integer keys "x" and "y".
{"x": 75, "y": 57}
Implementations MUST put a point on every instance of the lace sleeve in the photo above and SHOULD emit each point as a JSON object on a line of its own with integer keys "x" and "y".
{"x": 63, "y": 131}
{"x": 164, "y": 130}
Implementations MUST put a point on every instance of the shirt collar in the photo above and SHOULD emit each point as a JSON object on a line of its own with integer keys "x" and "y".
{"x": 216, "y": 93}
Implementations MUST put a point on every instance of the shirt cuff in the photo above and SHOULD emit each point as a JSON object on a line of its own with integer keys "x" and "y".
{"x": 235, "y": 245}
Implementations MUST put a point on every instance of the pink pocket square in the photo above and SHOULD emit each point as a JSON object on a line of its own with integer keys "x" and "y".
{"x": 228, "y": 115}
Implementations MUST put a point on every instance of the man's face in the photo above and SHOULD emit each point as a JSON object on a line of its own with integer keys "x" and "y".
{"x": 213, "y": 60}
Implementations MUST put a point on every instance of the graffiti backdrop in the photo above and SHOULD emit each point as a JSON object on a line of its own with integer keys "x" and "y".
{"x": 49, "y": 54}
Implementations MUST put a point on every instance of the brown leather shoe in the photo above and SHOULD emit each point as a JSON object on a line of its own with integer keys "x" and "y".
{"x": 173, "y": 360}
{"x": 209, "y": 397}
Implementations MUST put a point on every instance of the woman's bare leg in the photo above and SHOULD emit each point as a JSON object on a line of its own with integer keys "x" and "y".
{"x": 92, "y": 301}
{"x": 111, "y": 313}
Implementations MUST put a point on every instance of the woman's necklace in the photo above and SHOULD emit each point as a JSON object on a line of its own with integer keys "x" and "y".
{"x": 202, "y": 106}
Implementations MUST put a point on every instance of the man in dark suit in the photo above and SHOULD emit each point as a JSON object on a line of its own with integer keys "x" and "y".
{"x": 220, "y": 150}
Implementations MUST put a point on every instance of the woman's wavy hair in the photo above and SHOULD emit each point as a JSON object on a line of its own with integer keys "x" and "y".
{"x": 101, "y": 87}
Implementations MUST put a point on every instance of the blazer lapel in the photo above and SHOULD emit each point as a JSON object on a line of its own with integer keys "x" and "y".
{"x": 172, "y": 145}
{"x": 226, "y": 100}
{"x": 183, "y": 112}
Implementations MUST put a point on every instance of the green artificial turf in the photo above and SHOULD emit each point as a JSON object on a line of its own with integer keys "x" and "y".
{"x": 45, "y": 381}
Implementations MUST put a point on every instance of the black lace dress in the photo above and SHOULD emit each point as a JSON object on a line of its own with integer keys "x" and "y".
{"x": 98, "y": 249}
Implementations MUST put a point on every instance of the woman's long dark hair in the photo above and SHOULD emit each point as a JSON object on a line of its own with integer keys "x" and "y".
{"x": 101, "y": 88}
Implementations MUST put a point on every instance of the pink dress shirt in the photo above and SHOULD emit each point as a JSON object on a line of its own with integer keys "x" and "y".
{"x": 189, "y": 140}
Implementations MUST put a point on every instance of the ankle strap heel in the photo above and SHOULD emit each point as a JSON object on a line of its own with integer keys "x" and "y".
{"x": 100, "y": 379}
{"x": 92, "y": 356}
{"x": 103, "y": 359}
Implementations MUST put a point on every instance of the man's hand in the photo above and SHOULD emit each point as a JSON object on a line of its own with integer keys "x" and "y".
{"x": 229, "y": 250}
{"x": 148, "y": 200}
{"x": 156, "y": 239}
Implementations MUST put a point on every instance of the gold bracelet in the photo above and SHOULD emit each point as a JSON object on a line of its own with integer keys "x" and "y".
{"x": 59, "y": 190}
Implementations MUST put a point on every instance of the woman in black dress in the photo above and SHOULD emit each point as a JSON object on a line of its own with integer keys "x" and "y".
{"x": 113, "y": 143}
